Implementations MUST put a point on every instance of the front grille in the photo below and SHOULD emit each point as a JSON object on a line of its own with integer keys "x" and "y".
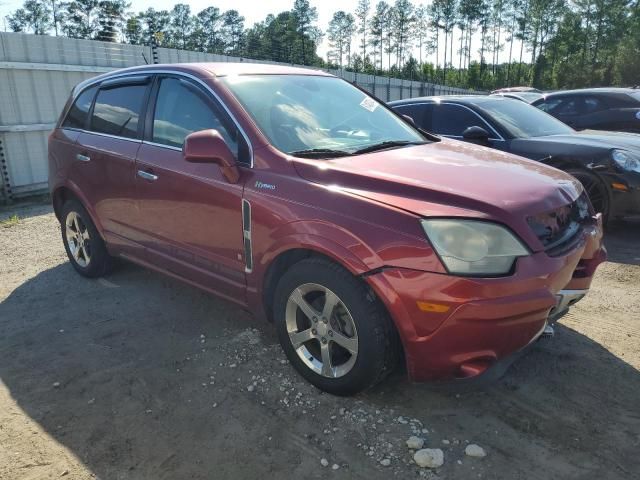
{"x": 559, "y": 229}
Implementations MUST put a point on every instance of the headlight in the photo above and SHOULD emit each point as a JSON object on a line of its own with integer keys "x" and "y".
{"x": 473, "y": 247}
{"x": 626, "y": 160}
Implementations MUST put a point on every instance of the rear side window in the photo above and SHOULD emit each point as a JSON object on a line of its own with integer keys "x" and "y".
{"x": 77, "y": 116}
{"x": 117, "y": 110}
{"x": 183, "y": 108}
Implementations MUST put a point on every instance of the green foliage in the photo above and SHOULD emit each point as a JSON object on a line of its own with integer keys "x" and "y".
{"x": 481, "y": 44}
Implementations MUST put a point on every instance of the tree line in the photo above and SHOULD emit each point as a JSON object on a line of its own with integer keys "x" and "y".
{"x": 481, "y": 44}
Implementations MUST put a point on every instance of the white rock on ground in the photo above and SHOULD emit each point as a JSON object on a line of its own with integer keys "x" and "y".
{"x": 335, "y": 466}
{"x": 415, "y": 443}
{"x": 429, "y": 457}
{"x": 474, "y": 450}
{"x": 385, "y": 462}
{"x": 324, "y": 462}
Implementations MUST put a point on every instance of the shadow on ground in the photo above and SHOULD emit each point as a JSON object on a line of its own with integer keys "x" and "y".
{"x": 136, "y": 398}
{"x": 622, "y": 240}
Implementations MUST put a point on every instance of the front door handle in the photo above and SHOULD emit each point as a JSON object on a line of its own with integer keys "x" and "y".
{"x": 83, "y": 158}
{"x": 147, "y": 176}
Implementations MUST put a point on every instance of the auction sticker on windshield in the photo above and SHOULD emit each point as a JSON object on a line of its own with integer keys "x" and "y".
{"x": 369, "y": 103}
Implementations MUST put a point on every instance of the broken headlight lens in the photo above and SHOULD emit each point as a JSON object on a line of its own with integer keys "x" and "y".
{"x": 473, "y": 247}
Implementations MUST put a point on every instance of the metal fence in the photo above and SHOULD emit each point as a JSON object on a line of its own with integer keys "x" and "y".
{"x": 38, "y": 72}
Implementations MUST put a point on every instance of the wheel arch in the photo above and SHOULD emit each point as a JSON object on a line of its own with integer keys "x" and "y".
{"x": 63, "y": 193}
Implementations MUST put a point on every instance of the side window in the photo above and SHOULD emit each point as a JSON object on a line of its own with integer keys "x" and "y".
{"x": 567, "y": 106}
{"x": 117, "y": 110}
{"x": 414, "y": 111}
{"x": 77, "y": 116}
{"x": 453, "y": 120}
{"x": 593, "y": 104}
{"x": 548, "y": 105}
{"x": 181, "y": 109}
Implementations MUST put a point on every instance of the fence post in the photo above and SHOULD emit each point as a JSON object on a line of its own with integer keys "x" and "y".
{"x": 5, "y": 185}
{"x": 374, "y": 85}
{"x": 389, "y": 89}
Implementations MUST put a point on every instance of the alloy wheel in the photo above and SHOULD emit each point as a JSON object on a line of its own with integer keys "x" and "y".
{"x": 321, "y": 330}
{"x": 78, "y": 239}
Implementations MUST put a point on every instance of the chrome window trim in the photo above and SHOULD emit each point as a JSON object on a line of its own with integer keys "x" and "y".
{"x": 171, "y": 72}
{"x": 108, "y": 135}
{"x": 498, "y": 136}
{"x": 162, "y": 145}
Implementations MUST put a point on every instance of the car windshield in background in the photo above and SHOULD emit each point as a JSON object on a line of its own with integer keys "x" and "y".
{"x": 319, "y": 116}
{"x": 522, "y": 120}
{"x": 529, "y": 96}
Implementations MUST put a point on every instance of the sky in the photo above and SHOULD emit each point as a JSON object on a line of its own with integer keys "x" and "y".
{"x": 253, "y": 11}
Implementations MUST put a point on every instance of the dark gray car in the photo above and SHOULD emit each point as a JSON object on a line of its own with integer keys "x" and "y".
{"x": 607, "y": 163}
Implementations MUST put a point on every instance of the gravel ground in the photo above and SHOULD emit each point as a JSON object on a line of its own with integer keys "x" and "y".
{"x": 137, "y": 376}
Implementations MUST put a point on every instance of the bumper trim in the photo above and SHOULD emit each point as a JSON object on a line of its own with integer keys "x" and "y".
{"x": 565, "y": 299}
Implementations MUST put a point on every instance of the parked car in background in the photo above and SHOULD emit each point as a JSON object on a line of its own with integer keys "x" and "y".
{"x": 527, "y": 97}
{"x": 615, "y": 109}
{"x": 516, "y": 89}
{"x": 606, "y": 163}
{"x": 306, "y": 201}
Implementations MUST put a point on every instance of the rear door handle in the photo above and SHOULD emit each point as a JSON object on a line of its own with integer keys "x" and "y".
{"x": 83, "y": 158}
{"x": 147, "y": 176}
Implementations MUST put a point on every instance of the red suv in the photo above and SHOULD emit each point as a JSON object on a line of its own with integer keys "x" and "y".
{"x": 308, "y": 202}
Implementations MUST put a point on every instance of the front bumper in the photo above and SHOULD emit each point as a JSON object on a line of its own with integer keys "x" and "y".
{"x": 456, "y": 327}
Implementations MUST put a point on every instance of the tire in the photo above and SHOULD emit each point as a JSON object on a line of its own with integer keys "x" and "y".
{"x": 84, "y": 246}
{"x": 358, "y": 335}
{"x": 596, "y": 191}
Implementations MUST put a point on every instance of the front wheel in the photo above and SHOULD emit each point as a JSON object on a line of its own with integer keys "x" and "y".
{"x": 596, "y": 191}
{"x": 84, "y": 246}
{"x": 332, "y": 329}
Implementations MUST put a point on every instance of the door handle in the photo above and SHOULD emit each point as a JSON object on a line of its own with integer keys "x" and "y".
{"x": 83, "y": 158}
{"x": 147, "y": 176}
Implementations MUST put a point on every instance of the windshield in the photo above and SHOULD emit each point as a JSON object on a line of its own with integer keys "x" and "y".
{"x": 302, "y": 113}
{"x": 522, "y": 120}
{"x": 529, "y": 96}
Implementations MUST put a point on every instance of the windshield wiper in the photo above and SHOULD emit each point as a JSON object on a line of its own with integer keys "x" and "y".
{"x": 387, "y": 144}
{"x": 319, "y": 153}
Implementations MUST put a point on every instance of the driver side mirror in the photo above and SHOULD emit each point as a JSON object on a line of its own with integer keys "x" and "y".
{"x": 208, "y": 146}
{"x": 476, "y": 133}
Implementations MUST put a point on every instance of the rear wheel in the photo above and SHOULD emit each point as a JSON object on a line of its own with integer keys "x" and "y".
{"x": 332, "y": 329}
{"x": 596, "y": 190}
{"x": 84, "y": 246}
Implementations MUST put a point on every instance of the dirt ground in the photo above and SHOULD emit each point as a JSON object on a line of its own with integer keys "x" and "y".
{"x": 138, "y": 376}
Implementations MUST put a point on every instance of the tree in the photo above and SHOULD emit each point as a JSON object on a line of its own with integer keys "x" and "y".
{"x": 154, "y": 25}
{"x": 420, "y": 29}
{"x": 362, "y": 14}
{"x": 402, "y": 22}
{"x": 340, "y": 34}
{"x": 208, "y": 30}
{"x": 110, "y": 19}
{"x": 34, "y": 16}
{"x": 232, "y": 32}
{"x": 81, "y": 18}
{"x": 181, "y": 26}
{"x": 305, "y": 16}
{"x": 380, "y": 27}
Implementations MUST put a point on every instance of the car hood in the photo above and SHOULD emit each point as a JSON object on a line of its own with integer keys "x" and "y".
{"x": 448, "y": 178}
{"x": 596, "y": 139}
